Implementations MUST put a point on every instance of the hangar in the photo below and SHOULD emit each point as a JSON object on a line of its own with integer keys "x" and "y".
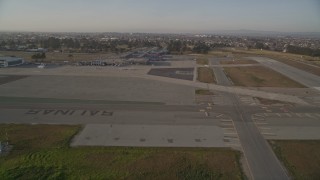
{"x": 10, "y": 61}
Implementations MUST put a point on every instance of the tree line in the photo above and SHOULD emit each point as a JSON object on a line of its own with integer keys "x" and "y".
{"x": 303, "y": 51}
{"x": 178, "y": 46}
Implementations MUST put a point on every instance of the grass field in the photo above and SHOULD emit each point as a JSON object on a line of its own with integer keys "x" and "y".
{"x": 206, "y": 75}
{"x": 301, "y": 158}
{"x": 241, "y": 61}
{"x": 259, "y": 76}
{"x": 42, "y": 152}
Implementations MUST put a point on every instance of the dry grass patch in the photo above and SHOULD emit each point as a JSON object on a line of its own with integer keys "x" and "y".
{"x": 301, "y": 158}
{"x": 259, "y": 76}
{"x": 219, "y": 53}
{"x": 202, "y": 61}
{"x": 206, "y": 75}
{"x": 203, "y": 92}
{"x": 271, "y": 102}
{"x": 241, "y": 61}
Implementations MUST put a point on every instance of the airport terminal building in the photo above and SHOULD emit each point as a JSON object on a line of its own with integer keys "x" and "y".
{"x": 10, "y": 61}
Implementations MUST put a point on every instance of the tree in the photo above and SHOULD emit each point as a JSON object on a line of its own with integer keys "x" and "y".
{"x": 38, "y": 56}
{"x": 12, "y": 44}
{"x": 201, "y": 47}
{"x": 176, "y": 46}
{"x": 303, "y": 51}
{"x": 76, "y": 44}
{"x": 3, "y": 43}
{"x": 54, "y": 43}
{"x": 259, "y": 45}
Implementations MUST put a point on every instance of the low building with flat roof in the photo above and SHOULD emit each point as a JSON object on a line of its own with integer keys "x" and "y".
{"x": 10, "y": 61}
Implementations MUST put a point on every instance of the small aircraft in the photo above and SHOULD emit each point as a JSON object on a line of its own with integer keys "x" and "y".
{"x": 42, "y": 65}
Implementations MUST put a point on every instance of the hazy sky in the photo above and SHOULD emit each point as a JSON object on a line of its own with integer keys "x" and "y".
{"x": 160, "y": 15}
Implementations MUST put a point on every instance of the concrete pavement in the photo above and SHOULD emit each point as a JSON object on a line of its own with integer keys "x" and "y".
{"x": 150, "y": 135}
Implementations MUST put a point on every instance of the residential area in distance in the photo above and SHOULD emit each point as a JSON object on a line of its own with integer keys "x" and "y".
{"x": 159, "y": 94}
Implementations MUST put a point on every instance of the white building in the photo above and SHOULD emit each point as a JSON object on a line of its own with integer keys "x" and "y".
{"x": 10, "y": 61}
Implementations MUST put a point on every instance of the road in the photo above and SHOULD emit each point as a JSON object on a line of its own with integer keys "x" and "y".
{"x": 262, "y": 162}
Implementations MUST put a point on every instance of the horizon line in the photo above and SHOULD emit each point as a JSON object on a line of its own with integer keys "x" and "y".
{"x": 166, "y": 32}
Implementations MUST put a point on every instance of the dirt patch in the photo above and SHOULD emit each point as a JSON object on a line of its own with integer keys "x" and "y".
{"x": 206, "y": 75}
{"x": 241, "y": 61}
{"x": 176, "y": 73}
{"x": 259, "y": 76}
{"x": 301, "y": 158}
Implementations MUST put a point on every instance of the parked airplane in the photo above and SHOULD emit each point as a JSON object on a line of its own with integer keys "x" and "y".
{"x": 42, "y": 65}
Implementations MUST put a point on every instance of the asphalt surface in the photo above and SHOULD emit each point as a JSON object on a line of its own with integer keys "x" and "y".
{"x": 262, "y": 162}
{"x": 103, "y": 114}
{"x": 98, "y": 88}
